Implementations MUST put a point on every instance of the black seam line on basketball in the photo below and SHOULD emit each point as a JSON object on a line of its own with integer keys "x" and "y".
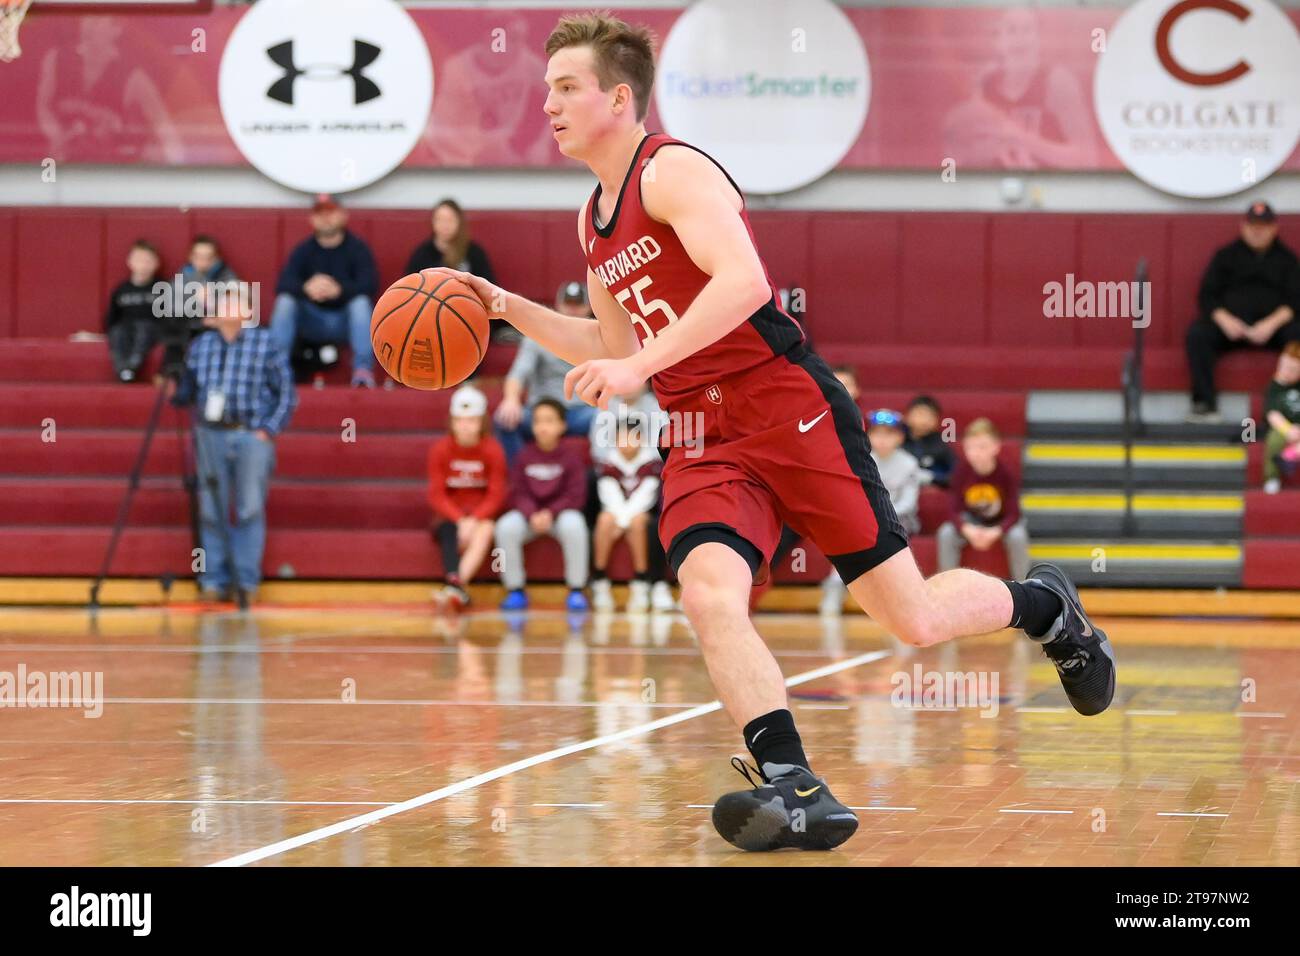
{"x": 463, "y": 322}
{"x": 405, "y": 288}
{"x": 415, "y": 320}
{"x": 442, "y": 354}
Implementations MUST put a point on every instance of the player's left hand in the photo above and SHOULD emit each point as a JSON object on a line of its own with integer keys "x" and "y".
{"x": 599, "y": 380}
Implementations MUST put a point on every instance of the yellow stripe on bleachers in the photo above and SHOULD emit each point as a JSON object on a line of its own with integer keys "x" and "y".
{"x": 1137, "y": 552}
{"x": 1143, "y": 453}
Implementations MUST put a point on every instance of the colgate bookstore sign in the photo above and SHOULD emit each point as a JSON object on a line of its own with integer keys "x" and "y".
{"x": 1200, "y": 97}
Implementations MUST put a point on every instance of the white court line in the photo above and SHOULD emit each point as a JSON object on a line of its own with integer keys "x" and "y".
{"x": 1258, "y": 713}
{"x": 230, "y": 803}
{"x": 1176, "y": 814}
{"x": 1034, "y": 811}
{"x": 424, "y": 799}
{"x": 891, "y": 809}
{"x": 822, "y": 706}
{"x": 392, "y": 702}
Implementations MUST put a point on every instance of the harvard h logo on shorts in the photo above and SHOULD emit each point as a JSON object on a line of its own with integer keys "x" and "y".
{"x": 714, "y": 394}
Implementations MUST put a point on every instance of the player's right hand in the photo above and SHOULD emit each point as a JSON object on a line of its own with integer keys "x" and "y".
{"x": 492, "y": 296}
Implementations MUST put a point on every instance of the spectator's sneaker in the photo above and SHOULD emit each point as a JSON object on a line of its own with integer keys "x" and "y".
{"x": 1203, "y": 414}
{"x": 1081, "y": 652}
{"x": 602, "y": 596}
{"x": 1272, "y": 486}
{"x": 661, "y": 597}
{"x": 638, "y": 597}
{"x": 577, "y": 601}
{"x": 363, "y": 378}
{"x": 790, "y": 808}
{"x": 516, "y": 600}
{"x": 832, "y": 603}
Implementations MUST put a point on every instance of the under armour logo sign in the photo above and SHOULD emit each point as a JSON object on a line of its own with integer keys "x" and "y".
{"x": 363, "y": 89}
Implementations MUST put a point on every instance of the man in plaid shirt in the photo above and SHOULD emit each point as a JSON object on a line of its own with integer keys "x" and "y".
{"x": 239, "y": 383}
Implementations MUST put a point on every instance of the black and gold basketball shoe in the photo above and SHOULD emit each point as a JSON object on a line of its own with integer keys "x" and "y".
{"x": 790, "y": 809}
{"x": 1081, "y": 652}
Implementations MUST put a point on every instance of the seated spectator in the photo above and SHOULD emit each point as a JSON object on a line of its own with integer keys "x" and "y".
{"x": 451, "y": 245}
{"x": 628, "y": 488}
{"x": 1282, "y": 412}
{"x": 206, "y": 267}
{"x": 985, "y": 503}
{"x": 327, "y": 289}
{"x": 640, "y": 410}
{"x": 548, "y": 492}
{"x": 925, "y": 443}
{"x": 238, "y": 381}
{"x": 899, "y": 471}
{"x": 131, "y": 323}
{"x": 537, "y": 374}
{"x": 467, "y": 489}
{"x": 205, "y": 263}
{"x": 1248, "y": 299}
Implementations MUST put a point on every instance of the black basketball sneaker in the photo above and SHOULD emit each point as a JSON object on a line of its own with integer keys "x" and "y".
{"x": 1081, "y": 652}
{"x": 790, "y": 808}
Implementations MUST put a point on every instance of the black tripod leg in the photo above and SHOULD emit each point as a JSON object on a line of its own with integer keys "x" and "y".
{"x": 125, "y": 507}
{"x": 190, "y": 482}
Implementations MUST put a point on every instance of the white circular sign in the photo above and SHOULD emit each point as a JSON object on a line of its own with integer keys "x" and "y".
{"x": 775, "y": 91}
{"x": 326, "y": 95}
{"x": 1200, "y": 97}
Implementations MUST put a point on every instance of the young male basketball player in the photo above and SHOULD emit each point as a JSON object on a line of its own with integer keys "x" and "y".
{"x": 683, "y": 299}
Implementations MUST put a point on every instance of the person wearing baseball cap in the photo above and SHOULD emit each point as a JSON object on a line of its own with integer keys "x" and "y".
{"x": 537, "y": 374}
{"x": 1249, "y": 297}
{"x": 467, "y": 490}
{"x": 327, "y": 289}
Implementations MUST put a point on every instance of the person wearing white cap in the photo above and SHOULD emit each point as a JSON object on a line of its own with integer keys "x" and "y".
{"x": 467, "y": 489}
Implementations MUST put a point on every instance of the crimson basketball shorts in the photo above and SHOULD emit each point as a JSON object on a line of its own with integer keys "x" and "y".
{"x": 783, "y": 443}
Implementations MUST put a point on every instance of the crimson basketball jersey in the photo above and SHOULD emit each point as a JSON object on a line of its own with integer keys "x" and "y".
{"x": 643, "y": 265}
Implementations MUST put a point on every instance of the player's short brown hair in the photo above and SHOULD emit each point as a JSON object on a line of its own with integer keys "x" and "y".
{"x": 623, "y": 53}
{"x": 982, "y": 426}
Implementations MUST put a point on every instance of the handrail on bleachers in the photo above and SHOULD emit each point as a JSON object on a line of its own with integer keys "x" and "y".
{"x": 1131, "y": 376}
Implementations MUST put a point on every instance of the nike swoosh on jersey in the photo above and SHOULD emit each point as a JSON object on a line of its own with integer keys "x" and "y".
{"x": 804, "y": 427}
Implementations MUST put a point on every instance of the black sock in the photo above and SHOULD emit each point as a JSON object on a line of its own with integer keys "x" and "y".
{"x": 645, "y": 576}
{"x": 1033, "y": 608}
{"x": 772, "y": 738}
{"x": 598, "y": 574}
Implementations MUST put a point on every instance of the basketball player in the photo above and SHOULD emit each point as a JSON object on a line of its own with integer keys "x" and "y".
{"x": 683, "y": 299}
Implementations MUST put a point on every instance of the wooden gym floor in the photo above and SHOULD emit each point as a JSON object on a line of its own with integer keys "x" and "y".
{"x": 371, "y": 736}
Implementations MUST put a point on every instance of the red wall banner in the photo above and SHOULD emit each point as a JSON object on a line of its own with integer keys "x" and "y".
{"x": 992, "y": 88}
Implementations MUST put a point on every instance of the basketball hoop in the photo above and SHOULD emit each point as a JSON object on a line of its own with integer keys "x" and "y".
{"x": 11, "y": 18}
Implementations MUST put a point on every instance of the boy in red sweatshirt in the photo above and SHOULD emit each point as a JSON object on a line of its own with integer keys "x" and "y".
{"x": 548, "y": 489}
{"x": 467, "y": 489}
{"x": 985, "y": 507}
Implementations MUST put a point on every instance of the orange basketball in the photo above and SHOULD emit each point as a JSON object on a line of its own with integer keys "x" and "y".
{"x": 429, "y": 330}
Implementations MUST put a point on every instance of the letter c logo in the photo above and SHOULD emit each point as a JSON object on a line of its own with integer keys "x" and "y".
{"x": 1173, "y": 66}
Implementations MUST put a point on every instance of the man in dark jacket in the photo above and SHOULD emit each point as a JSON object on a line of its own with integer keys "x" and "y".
{"x": 327, "y": 289}
{"x": 1249, "y": 298}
